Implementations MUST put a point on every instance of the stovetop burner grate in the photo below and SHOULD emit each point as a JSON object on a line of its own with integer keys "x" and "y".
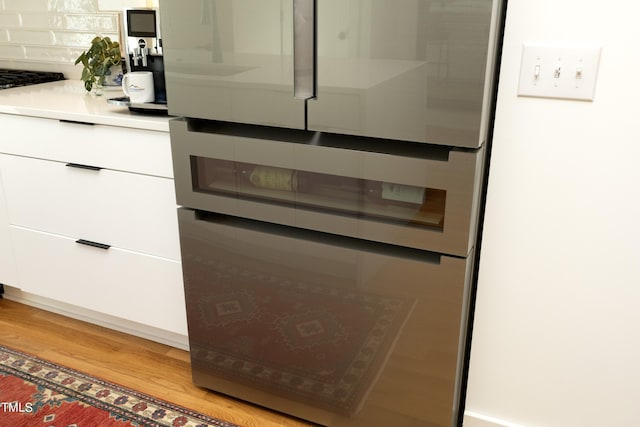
{"x": 14, "y": 78}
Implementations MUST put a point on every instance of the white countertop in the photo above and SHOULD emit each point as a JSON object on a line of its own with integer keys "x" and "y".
{"x": 67, "y": 100}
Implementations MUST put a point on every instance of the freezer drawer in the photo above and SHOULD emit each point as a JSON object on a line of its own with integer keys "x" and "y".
{"x": 335, "y": 330}
{"x": 406, "y": 194}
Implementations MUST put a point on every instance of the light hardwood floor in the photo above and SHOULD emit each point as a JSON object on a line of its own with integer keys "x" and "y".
{"x": 143, "y": 365}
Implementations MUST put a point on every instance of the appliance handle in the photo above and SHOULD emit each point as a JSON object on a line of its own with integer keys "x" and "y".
{"x": 304, "y": 49}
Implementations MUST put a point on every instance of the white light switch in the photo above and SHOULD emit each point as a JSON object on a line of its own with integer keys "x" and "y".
{"x": 564, "y": 72}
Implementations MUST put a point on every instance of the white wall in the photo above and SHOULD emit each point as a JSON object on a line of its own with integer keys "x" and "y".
{"x": 557, "y": 329}
{"x": 50, "y": 35}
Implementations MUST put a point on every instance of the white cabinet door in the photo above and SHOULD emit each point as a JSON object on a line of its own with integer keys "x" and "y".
{"x": 117, "y": 282}
{"x": 132, "y": 150}
{"x": 63, "y": 182}
{"x": 127, "y": 210}
{"x": 8, "y": 274}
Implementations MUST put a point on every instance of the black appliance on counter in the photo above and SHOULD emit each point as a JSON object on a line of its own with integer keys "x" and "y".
{"x": 15, "y": 78}
{"x": 143, "y": 44}
{"x": 144, "y": 47}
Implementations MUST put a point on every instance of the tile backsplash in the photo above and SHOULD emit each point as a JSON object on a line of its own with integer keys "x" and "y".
{"x": 50, "y": 34}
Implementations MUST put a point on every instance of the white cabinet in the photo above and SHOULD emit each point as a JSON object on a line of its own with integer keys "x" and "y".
{"x": 90, "y": 212}
{"x": 123, "y": 149}
{"x": 122, "y": 209}
{"x": 8, "y": 274}
{"x": 121, "y": 283}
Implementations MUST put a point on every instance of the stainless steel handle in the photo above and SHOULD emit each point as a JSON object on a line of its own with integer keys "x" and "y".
{"x": 304, "y": 49}
{"x": 145, "y": 56}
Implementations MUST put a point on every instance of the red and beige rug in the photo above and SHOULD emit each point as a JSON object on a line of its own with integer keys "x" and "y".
{"x": 34, "y": 392}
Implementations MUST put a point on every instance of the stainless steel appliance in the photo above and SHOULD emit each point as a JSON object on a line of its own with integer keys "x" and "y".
{"x": 328, "y": 159}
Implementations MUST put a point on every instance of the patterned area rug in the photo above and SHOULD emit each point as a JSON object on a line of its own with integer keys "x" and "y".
{"x": 313, "y": 343}
{"x": 34, "y": 392}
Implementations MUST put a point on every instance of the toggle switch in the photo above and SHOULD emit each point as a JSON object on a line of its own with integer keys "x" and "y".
{"x": 557, "y": 71}
{"x": 563, "y": 72}
{"x": 536, "y": 72}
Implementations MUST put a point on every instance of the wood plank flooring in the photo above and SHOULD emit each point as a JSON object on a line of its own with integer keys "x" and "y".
{"x": 146, "y": 366}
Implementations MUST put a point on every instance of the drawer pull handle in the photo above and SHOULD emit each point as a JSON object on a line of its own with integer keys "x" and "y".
{"x": 86, "y": 167}
{"x": 93, "y": 244}
{"x": 75, "y": 122}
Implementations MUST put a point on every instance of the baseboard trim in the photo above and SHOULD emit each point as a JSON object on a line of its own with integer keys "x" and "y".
{"x": 474, "y": 419}
{"x": 121, "y": 325}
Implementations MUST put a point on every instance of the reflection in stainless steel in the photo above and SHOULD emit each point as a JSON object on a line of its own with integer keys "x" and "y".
{"x": 308, "y": 342}
{"x": 412, "y": 70}
{"x": 339, "y": 334}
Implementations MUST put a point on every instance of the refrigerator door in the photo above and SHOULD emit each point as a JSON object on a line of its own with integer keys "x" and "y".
{"x": 413, "y": 70}
{"x": 338, "y": 331}
{"x": 232, "y": 60}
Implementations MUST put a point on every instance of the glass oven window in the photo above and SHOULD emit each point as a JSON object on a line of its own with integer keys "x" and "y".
{"x": 369, "y": 199}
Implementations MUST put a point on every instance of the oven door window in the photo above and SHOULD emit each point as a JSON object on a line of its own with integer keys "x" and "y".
{"x": 342, "y": 195}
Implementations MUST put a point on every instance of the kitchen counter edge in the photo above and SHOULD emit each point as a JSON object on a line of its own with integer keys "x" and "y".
{"x": 67, "y": 100}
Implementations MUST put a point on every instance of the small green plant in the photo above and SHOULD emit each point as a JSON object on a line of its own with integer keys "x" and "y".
{"x": 102, "y": 55}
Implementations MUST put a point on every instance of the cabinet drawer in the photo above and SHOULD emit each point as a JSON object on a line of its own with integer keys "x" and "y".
{"x": 218, "y": 166}
{"x": 125, "y": 210}
{"x": 328, "y": 326}
{"x": 133, "y": 150}
{"x": 120, "y": 283}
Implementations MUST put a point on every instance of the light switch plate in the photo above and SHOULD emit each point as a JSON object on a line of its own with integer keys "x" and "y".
{"x": 563, "y": 72}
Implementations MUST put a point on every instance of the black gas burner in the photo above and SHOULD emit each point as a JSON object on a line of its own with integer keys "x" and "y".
{"x": 14, "y": 78}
